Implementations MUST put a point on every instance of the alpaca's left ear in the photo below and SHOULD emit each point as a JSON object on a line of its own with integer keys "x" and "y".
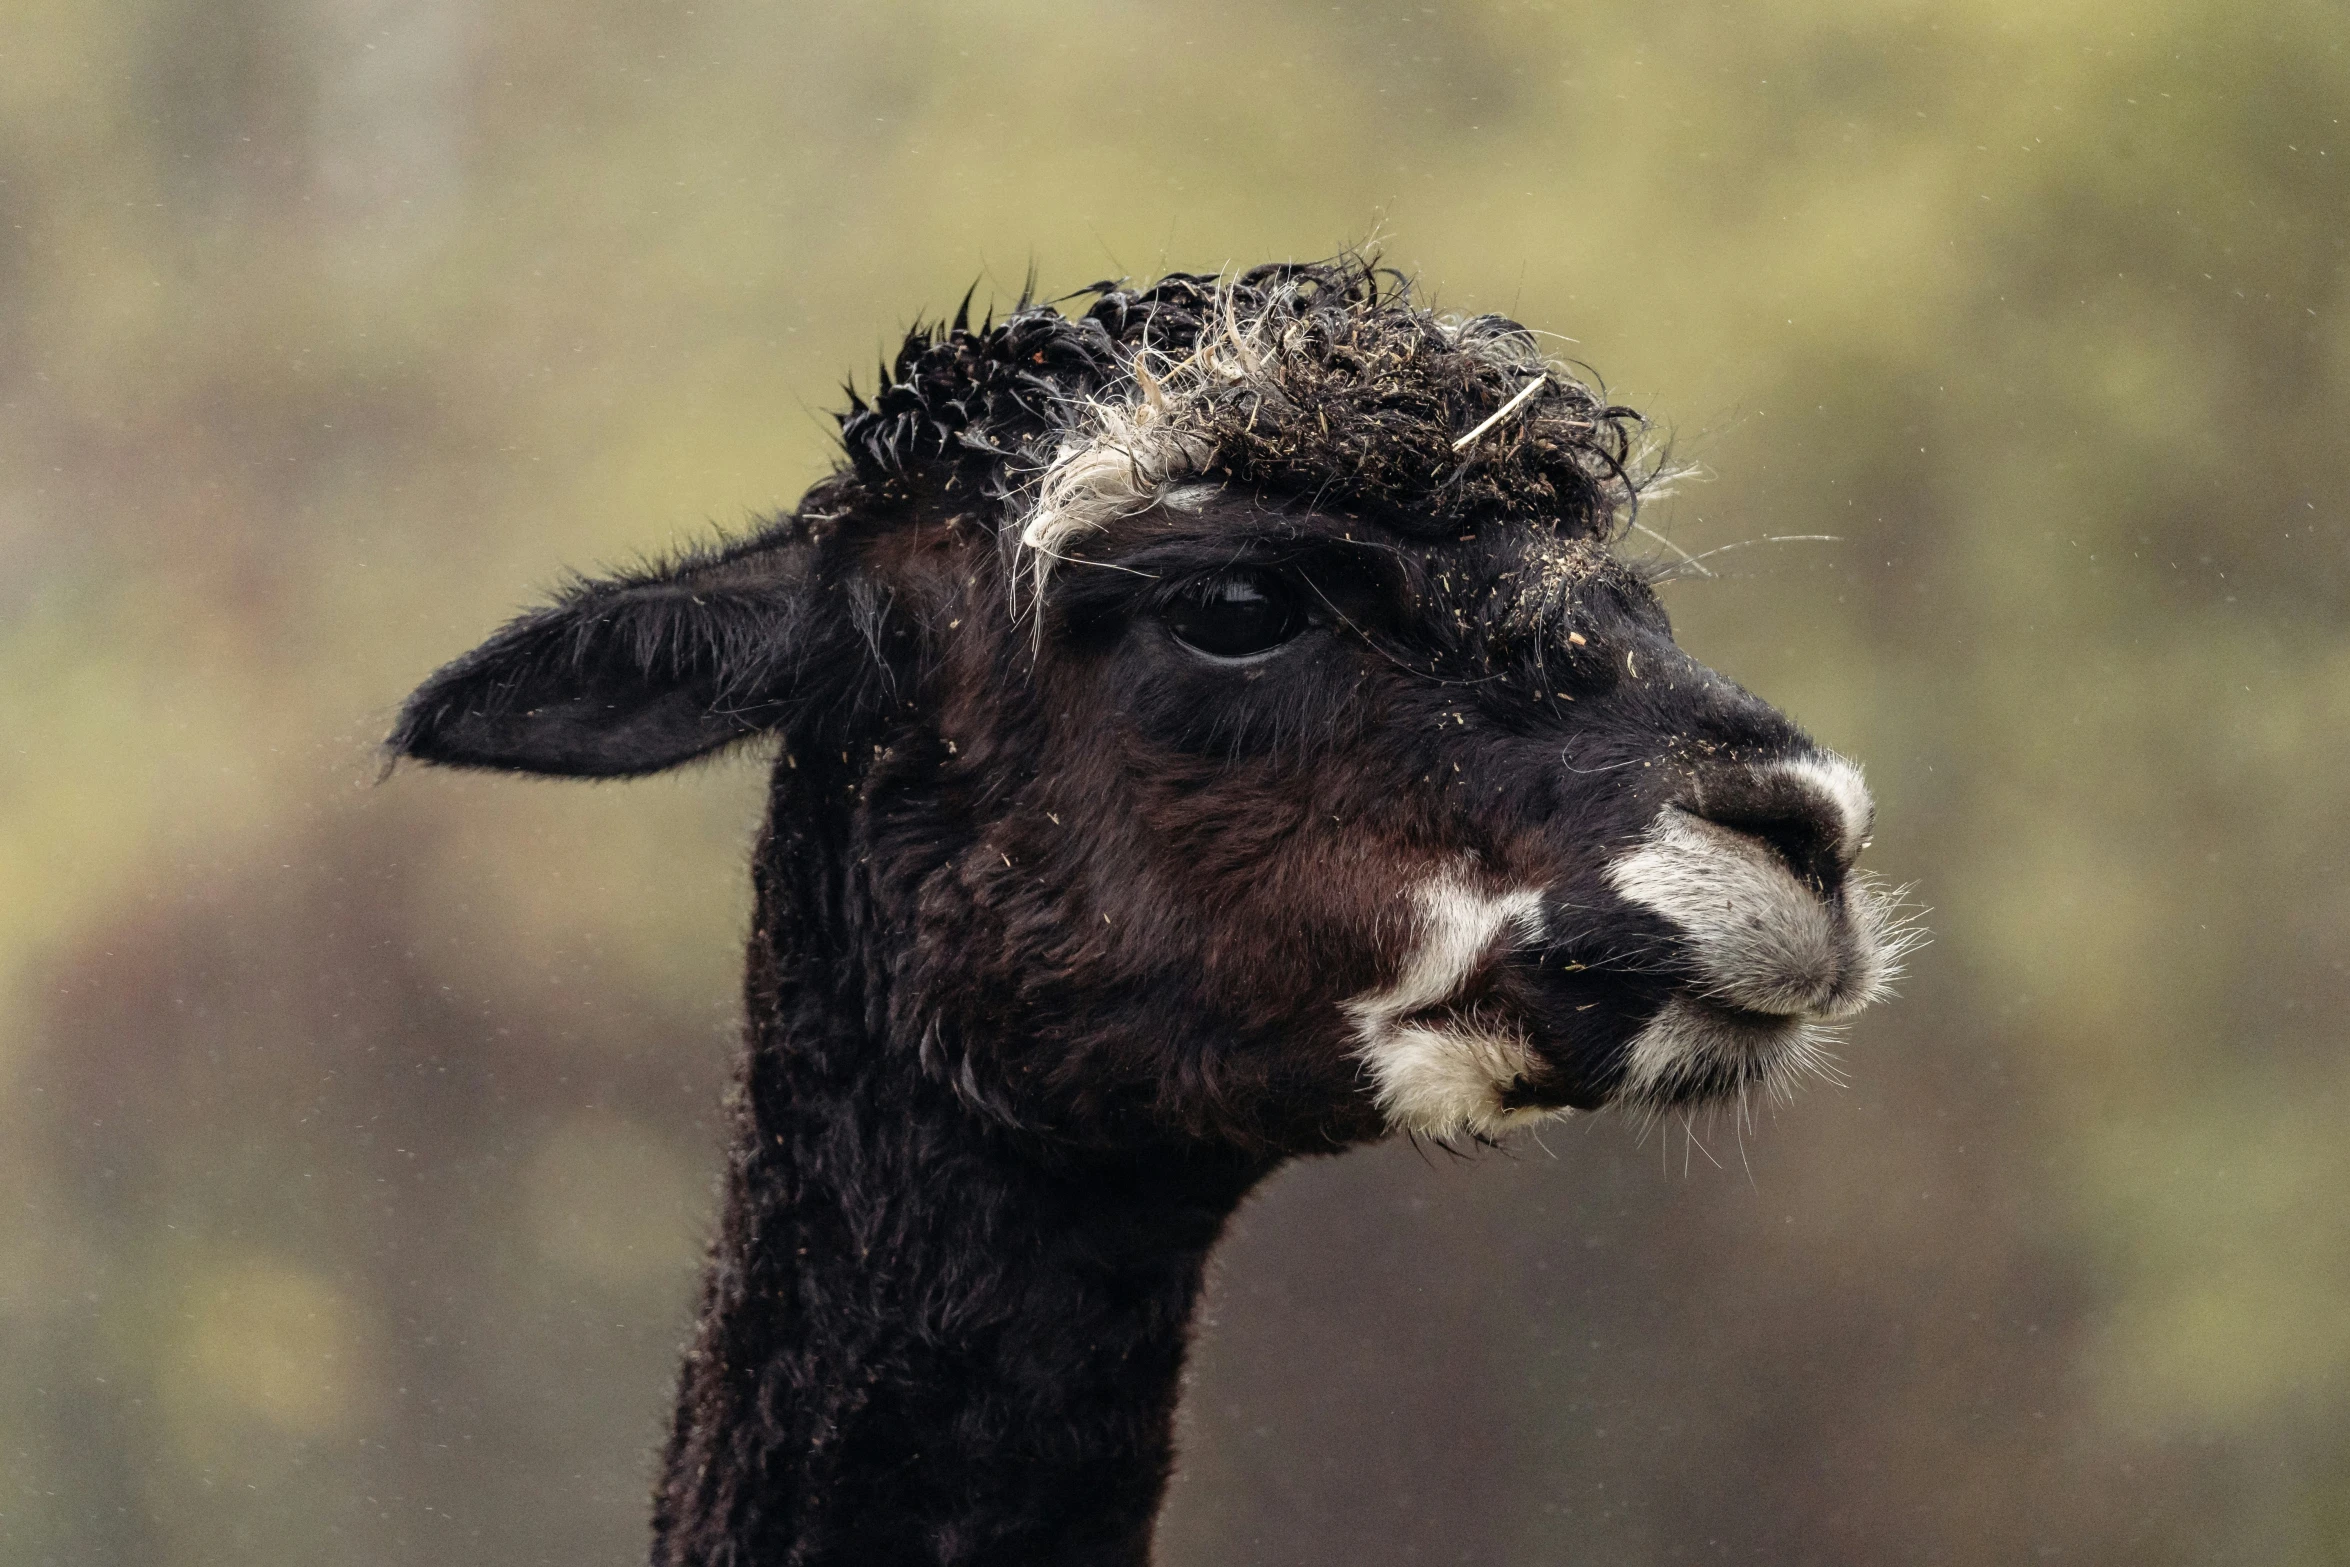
{"x": 630, "y": 674}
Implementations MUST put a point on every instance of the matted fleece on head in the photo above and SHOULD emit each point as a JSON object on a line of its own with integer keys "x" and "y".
{"x": 1324, "y": 382}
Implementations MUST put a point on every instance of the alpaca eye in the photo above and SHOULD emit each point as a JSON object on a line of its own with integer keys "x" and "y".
{"x": 1235, "y": 614}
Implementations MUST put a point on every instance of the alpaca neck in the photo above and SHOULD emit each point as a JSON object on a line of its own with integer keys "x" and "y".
{"x": 923, "y": 1339}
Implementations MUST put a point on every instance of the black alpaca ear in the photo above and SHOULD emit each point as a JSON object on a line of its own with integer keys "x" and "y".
{"x": 626, "y": 675}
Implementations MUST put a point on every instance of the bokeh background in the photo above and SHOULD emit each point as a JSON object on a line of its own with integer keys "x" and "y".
{"x": 356, "y": 1141}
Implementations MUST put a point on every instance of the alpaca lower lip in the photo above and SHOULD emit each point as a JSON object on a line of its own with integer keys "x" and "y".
{"x": 1697, "y": 1050}
{"x": 1629, "y": 1043}
{"x": 1764, "y": 1023}
{"x": 1743, "y": 1030}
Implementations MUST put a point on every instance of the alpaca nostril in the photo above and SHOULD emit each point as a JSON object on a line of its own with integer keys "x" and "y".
{"x": 1808, "y": 841}
{"x": 1811, "y": 828}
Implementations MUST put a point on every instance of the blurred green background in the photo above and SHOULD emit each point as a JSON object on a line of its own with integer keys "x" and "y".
{"x": 356, "y": 1142}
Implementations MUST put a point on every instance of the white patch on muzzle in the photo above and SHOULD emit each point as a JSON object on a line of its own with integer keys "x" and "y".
{"x": 1449, "y": 1076}
{"x": 1772, "y": 956}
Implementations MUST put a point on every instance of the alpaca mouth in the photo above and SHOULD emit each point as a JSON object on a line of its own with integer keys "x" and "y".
{"x": 1730, "y": 1029}
{"x": 1698, "y": 1050}
{"x": 1776, "y": 937}
{"x": 1757, "y": 1024}
{"x": 1688, "y": 1048}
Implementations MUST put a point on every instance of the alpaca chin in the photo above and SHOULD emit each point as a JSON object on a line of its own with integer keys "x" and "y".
{"x": 1695, "y": 1052}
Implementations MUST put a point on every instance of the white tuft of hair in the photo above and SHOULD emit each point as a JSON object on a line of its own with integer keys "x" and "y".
{"x": 1762, "y": 940}
{"x": 1448, "y": 1075}
{"x": 1131, "y": 445}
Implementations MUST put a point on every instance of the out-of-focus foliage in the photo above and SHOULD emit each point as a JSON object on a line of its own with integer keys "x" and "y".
{"x": 356, "y": 1141}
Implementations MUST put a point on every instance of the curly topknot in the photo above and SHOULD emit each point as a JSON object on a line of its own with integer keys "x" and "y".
{"x": 1323, "y": 380}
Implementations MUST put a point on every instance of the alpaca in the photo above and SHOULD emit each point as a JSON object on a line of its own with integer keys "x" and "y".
{"x": 1210, "y": 728}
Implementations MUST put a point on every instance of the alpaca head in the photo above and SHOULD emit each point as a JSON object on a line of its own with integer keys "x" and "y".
{"x": 1239, "y": 730}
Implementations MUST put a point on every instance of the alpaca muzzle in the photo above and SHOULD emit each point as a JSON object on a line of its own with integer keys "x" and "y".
{"x": 1775, "y": 933}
